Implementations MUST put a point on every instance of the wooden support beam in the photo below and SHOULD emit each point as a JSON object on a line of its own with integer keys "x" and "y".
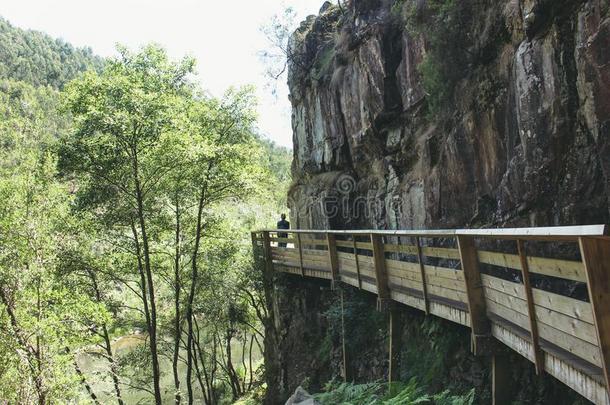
{"x": 267, "y": 251}
{"x": 422, "y": 269}
{"x": 300, "y": 254}
{"x": 381, "y": 275}
{"x": 479, "y": 323}
{"x": 595, "y": 254}
{"x": 357, "y": 263}
{"x": 531, "y": 310}
{"x": 343, "y": 346}
{"x": 333, "y": 259}
{"x": 501, "y": 388}
{"x": 395, "y": 343}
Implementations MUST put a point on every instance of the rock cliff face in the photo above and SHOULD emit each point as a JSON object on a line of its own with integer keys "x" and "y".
{"x": 438, "y": 114}
{"x": 451, "y": 113}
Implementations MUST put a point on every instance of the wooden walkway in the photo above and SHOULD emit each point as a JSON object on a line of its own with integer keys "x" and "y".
{"x": 498, "y": 282}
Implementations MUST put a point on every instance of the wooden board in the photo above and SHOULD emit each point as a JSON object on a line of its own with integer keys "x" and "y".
{"x": 568, "y": 306}
{"x": 596, "y": 256}
{"x": 566, "y": 373}
{"x": 400, "y": 266}
{"x": 433, "y": 289}
{"x": 408, "y": 249}
{"x": 444, "y": 253}
{"x": 347, "y": 266}
{"x": 557, "y": 320}
{"x": 474, "y": 290}
{"x": 285, "y": 240}
{"x": 407, "y": 299}
{"x": 570, "y": 270}
{"x": 566, "y": 341}
{"x": 350, "y": 244}
{"x": 363, "y": 261}
{"x": 445, "y": 272}
{"x": 309, "y": 239}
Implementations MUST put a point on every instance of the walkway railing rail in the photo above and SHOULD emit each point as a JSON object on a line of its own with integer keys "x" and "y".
{"x": 543, "y": 292}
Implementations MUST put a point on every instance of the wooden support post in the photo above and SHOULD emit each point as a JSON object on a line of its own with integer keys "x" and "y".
{"x": 253, "y": 236}
{"x": 381, "y": 275}
{"x": 595, "y": 254}
{"x": 344, "y": 371}
{"x": 267, "y": 251}
{"x": 332, "y": 258}
{"x": 479, "y": 323}
{"x": 501, "y": 387}
{"x": 298, "y": 235}
{"x": 531, "y": 310}
{"x": 422, "y": 269}
{"x": 357, "y": 263}
{"x": 395, "y": 343}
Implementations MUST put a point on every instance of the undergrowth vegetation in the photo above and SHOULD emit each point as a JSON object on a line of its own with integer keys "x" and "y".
{"x": 443, "y": 25}
{"x": 382, "y": 394}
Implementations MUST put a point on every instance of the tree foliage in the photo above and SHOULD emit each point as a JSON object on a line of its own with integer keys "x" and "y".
{"x": 126, "y": 197}
{"x": 37, "y": 59}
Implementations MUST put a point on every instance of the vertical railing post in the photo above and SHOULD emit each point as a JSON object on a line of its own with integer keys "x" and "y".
{"x": 333, "y": 259}
{"x": 357, "y": 263}
{"x": 479, "y": 323}
{"x": 298, "y": 239}
{"x": 267, "y": 251}
{"x": 422, "y": 270}
{"x": 595, "y": 254}
{"x": 531, "y": 310}
{"x": 381, "y": 275}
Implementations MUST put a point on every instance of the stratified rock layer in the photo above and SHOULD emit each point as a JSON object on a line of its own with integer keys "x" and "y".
{"x": 521, "y": 137}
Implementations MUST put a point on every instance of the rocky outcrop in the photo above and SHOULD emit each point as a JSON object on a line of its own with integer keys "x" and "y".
{"x": 440, "y": 114}
{"x": 301, "y": 397}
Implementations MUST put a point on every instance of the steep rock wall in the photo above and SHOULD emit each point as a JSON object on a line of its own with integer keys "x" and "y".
{"x": 451, "y": 113}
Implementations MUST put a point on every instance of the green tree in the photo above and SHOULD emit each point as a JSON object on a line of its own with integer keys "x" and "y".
{"x": 154, "y": 161}
{"x": 125, "y": 118}
{"x": 42, "y": 317}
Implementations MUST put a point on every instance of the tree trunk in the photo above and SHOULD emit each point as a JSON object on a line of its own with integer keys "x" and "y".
{"x": 209, "y": 384}
{"x": 250, "y": 364}
{"x": 191, "y": 297}
{"x": 152, "y": 332}
{"x": 107, "y": 346}
{"x": 30, "y": 351}
{"x": 177, "y": 323}
{"x": 233, "y": 377}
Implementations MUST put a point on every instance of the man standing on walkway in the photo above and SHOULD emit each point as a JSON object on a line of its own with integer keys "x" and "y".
{"x": 282, "y": 224}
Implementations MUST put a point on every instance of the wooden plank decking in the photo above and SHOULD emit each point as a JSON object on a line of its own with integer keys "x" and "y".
{"x": 441, "y": 272}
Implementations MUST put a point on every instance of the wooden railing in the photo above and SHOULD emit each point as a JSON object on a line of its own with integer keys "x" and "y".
{"x": 552, "y": 309}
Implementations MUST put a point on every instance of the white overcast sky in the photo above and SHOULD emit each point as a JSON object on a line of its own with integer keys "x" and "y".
{"x": 222, "y": 35}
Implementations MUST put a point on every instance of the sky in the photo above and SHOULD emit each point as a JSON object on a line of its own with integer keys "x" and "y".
{"x": 224, "y": 37}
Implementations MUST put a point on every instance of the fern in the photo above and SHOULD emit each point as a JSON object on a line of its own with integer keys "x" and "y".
{"x": 383, "y": 394}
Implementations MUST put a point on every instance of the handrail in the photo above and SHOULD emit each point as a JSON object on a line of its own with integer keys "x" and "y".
{"x": 566, "y": 337}
{"x": 551, "y": 232}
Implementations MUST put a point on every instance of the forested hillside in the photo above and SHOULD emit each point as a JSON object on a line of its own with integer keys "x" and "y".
{"x": 125, "y": 193}
{"x": 40, "y": 60}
